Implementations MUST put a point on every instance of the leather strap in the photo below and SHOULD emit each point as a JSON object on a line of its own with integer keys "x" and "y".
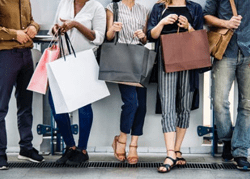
{"x": 233, "y": 8}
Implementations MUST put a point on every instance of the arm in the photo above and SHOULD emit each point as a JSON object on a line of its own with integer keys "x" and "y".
{"x": 33, "y": 27}
{"x": 211, "y": 19}
{"x": 112, "y": 27}
{"x": 69, "y": 24}
{"x": 141, "y": 33}
{"x": 99, "y": 25}
{"x": 233, "y": 23}
{"x": 170, "y": 19}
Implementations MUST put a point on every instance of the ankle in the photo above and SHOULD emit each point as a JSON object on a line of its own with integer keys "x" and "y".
{"x": 73, "y": 148}
{"x": 122, "y": 138}
{"x": 84, "y": 152}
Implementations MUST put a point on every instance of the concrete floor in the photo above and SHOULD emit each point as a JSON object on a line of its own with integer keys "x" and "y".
{"x": 124, "y": 173}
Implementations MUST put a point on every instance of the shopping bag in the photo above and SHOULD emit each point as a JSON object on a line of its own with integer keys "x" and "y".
{"x": 74, "y": 82}
{"x": 185, "y": 51}
{"x": 126, "y": 64}
{"x": 39, "y": 80}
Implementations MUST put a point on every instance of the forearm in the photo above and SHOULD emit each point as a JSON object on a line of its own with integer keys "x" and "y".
{"x": 110, "y": 34}
{"x": 89, "y": 34}
{"x": 215, "y": 21}
{"x": 156, "y": 31}
{"x": 7, "y": 34}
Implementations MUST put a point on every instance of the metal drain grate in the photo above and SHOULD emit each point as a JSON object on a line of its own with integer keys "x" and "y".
{"x": 228, "y": 166}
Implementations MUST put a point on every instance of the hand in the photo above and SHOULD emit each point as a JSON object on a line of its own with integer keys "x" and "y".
{"x": 140, "y": 34}
{"x": 234, "y": 22}
{"x": 183, "y": 22}
{"x": 117, "y": 27}
{"x": 170, "y": 19}
{"x": 55, "y": 28}
{"x": 22, "y": 37}
{"x": 31, "y": 31}
{"x": 67, "y": 25}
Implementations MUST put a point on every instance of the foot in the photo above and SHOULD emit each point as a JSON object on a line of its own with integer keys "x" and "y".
{"x": 119, "y": 149}
{"x": 180, "y": 159}
{"x": 3, "y": 162}
{"x": 67, "y": 154}
{"x": 226, "y": 154}
{"x": 169, "y": 162}
{"x": 132, "y": 155}
{"x": 242, "y": 163}
{"x": 77, "y": 157}
{"x": 30, "y": 155}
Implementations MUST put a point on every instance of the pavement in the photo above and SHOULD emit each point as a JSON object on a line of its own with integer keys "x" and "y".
{"x": 124, "y": 173}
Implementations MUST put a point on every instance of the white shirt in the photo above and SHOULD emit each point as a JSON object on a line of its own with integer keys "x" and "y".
{"x": 92, "y": 16}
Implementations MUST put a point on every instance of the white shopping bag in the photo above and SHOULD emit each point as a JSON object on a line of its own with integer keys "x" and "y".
{"x": 74, "y": 83}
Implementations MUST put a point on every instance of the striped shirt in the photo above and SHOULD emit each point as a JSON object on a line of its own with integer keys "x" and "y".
{"x": 132, "y": 20}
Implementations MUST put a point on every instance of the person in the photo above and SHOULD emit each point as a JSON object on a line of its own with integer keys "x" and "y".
{"x": 235, "y": 64}
{"x": 17, "y": 29}
{"x": 131, "y": 25}
{"x": 85, "y": 23}
{"x": 177, "y": 89}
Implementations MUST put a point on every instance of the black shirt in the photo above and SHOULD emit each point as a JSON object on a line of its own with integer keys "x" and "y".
{"x": 179, "y": 10}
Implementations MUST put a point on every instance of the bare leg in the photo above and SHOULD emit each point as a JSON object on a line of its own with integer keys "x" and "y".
{"x": 170, "y": 146}
{"x": 132, "y": 155}
{"x": 121, "y": 145}
{"x": 180, "y": 134}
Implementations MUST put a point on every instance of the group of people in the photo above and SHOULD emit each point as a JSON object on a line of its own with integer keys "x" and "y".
{"x": 87, "y": 24}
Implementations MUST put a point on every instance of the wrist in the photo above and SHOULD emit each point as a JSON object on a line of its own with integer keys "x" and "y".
{"x": 189, "y": 26}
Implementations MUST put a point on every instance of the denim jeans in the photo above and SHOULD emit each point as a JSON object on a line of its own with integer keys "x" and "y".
{"x": 134, "y": 109}
{"x": 223, "y": 74}
{"x": 64, "y": 125}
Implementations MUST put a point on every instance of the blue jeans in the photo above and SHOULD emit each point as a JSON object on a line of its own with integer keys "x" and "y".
{"x": 64, "y": 125}
{"x": 134, "y": 109}
{"x": 223, "y": 75}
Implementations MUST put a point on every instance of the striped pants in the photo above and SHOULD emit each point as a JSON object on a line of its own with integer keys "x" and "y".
{"x": 176, "y": 98}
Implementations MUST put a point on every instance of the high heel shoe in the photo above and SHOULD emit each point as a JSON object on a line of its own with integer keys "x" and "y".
{"x": 116, "y": 154}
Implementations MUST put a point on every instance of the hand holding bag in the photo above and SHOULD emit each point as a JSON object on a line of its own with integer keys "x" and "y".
{"x": 74, "y": 81}
{"x": 185, "y": 51}
{"x": 220, "y": 37}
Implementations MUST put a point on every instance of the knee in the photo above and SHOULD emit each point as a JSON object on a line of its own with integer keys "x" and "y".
{"x": 131, "y": 104}
{"x": 220, "y": 104}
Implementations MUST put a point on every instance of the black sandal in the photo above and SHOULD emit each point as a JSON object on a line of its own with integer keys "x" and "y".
{"x": 180, "y": 159}
{"x": 167, "y": 166}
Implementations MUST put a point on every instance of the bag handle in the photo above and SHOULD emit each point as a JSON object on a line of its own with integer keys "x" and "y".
{"x": 115, "y": 18}
{"x": 68, "y": 43}
{"x": 233, "y": 8}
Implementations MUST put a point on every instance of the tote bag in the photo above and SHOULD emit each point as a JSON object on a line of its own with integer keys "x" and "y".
{"x": 185, "y": 51}
{"x": 39, "y": 79}
{"x": 74, "y": 82}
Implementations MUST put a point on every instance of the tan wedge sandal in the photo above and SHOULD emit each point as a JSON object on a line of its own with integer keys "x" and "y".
{"x": 134, "y": 159}
{"x": 117, "y": 155}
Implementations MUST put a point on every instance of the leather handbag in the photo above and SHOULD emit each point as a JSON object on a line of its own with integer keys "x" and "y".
{"x": 219, "y": 38}
{"x": 185, "y": 51}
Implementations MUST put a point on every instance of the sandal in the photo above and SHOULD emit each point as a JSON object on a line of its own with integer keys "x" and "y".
{"x": 180, "y": 159}
{"x": 117, "y": 155}
{"x": 134, "y": 159}
{"x": 167, "y": 166}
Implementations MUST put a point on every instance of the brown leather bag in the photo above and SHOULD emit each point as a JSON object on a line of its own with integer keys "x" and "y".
{"x": 219, "y": 38}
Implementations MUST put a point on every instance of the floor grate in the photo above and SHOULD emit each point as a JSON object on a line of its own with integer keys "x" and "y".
{"x": 226, "y": 166}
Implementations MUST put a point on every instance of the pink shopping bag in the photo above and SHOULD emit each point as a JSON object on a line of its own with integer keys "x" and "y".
{"x": 39, "y": 80}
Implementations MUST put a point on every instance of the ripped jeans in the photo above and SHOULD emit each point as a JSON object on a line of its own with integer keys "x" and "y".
{"x": 224, "y": 73}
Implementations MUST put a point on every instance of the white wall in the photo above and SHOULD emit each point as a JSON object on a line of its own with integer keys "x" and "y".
{"x": 107, "y": 111}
